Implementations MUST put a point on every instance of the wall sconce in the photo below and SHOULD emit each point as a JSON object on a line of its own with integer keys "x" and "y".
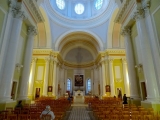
{"x": 139, "y": 67}
{"x": 18, "y": 67}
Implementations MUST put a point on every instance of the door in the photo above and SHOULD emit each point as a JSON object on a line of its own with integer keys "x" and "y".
{"x": 37, "y": 94}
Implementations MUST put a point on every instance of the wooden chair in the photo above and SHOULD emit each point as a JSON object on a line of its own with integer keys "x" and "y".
{"x": 11, "y": 117}
{"x": 23, "y": 117}
{"x": 114, "y": 117}
{"x": 34, "y": 117}
{"x": 46, "y": 117}
{"x": 2, "y": 116}
{"x": 126, "y": 117}
{"x": 148, "y": 117}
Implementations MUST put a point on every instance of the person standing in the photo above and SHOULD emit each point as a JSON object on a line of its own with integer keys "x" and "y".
{"x": 124, "y": 99}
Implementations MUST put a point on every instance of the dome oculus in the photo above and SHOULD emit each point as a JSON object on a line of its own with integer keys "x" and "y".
{"x": 60, "y": 4}
{"x": 98, "y": 4}
{"x": 79, "y": 8}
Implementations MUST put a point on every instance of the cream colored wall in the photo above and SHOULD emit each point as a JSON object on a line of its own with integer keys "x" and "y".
{"x": 118, "y": 82}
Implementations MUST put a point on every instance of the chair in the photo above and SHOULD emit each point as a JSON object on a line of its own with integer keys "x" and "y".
{"x": 34, "y": 116}
{"x": 126, "y": 117}
{"x": 148, "y": 117}
{"x": 46, "y": 117}
{"x": 11, "y": 117}
{"x": 2, "y": 116}
{"x": 23, "y": 117}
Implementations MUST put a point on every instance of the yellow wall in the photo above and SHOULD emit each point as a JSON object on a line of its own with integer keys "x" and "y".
{"x": 39, "y": 83}
{"x": 119, "y": 83}
{"x": 4, "y": 4}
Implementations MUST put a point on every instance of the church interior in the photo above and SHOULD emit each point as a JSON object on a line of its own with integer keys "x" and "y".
{"x": 93, "y": 51}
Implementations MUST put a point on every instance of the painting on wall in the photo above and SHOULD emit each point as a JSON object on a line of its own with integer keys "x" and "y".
{"x": 108, "y": 88}
{"x": 78, "y": 80}
{"x": 49, "y": 88}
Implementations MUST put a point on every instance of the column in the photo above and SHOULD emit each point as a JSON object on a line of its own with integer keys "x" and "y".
{"x": 100, "y": 79}
{"x": 126, "y": 79}
{"x": 133, "y": 80}
{"x": 65, "y": 81}
{"x": 8, "y": 72}
{"x": 107, "y": 72}
{"x": 46, "y": 74}
{"x": 92, "y": 80}
{"x": 153, "y": 40}
{"x": 54, "y": 78}
{"x": 31, "y": 79}
{"x": 23, "y": 90}
{"x": 6, "y": 37}
{"x": 148, "y": 67}
{"x": 111, "y": 77}
{"x": 57, "y": 80}
{"x": 103, "y": 78}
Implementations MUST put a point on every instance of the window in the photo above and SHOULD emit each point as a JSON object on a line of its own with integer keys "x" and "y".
{"x": 89, "y": 85}
{"x": 79, "y": 8}
{"x": 68, "y": 85}
{"x": 60, "y": 4}
{"x": 98, "y": 4}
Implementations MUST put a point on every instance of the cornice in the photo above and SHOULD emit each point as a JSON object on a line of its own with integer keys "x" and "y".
{"x": 42, "y": 52}
{"x": 117, "y": 52}
{"x": 34, "y": 10}
{"x": 124, "y": 11}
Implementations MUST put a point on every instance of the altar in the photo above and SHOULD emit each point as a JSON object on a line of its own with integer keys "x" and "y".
{"x": 78, "y": 93}
{"x": 78, "y": 96}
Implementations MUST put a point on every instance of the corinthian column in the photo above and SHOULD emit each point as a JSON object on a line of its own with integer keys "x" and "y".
{"x": 133, "y": 80}
{"x": 31, "y": 79}
{"x": 8, "y": 72}
{"x": 148, "y": 66}
{"x": 45, "y": 83}
{"x": 103, "y": 78}
{"x": 111, "y": 77}
{"x": 23, "y": 91}
{"x": 126, "y": 79}
{"x": 54, "y": 78}
{"x": 153, "y": 40}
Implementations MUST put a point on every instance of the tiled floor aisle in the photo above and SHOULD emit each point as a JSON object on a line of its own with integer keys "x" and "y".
{"x": 79, "y": 113}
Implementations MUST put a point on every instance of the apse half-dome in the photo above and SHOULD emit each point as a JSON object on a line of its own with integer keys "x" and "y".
{"x": 79, "y": 9}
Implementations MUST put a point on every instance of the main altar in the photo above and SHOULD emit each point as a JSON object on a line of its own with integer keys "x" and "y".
{"x": 78, "y": 96}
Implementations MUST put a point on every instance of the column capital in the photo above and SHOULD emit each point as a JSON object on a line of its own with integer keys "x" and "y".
{"x": 34, "y": 60}
{"x": 47, "y": 59}
{"x": 139, "y": 14}
{"x": 124, "y": 60}
{"x": 110, "y": 60}
{"x": 32, "y": 30}
{"x": 126, "y": 31}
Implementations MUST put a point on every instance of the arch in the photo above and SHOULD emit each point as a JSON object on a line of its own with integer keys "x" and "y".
{"x": 47, "y": 28}
{"x": 96, "y": 38}
{"x": 110, "y": 28}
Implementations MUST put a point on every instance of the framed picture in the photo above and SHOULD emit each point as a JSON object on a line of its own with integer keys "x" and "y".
{"x": 78, "y": 80}
{"x": 108, "y": 88}
{"x": 49, "y": 88}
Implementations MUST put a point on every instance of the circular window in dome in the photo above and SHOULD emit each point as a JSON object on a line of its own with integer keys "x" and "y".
{"x": 60, "y": 4}
{"x": 98, "y": 4}
{"x": 79, "y": 8}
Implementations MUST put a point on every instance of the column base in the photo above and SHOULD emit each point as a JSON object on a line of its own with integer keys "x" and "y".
{"x": 135, "y": 101}
{"x": 151, "y": 104}
{"x": 4, "y": 105}
{"x": 23, "y": 98}
{"x": 5, "y": 99}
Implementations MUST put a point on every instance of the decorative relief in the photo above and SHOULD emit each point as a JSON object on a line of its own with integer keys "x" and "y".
{"x": 34, "y": 60}
{"x": 32, "y": 30}
{"x": 139, "y": 14}
{"x": 126, "y": 31}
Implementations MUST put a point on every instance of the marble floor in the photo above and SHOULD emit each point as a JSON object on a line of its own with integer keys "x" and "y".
{"x": 79, "y": 111}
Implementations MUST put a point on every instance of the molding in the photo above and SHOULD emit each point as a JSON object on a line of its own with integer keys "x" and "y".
{"x": 124, "y": 11}
{"x": 34, "y": 10}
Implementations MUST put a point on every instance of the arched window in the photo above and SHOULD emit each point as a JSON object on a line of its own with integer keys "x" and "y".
{"x": 89, "y": 85}
{"x": 98, "y": 4}
{"x": 68, "y": 85}
{"x": 60, "y": 4}
{"x": 79, "y": 8}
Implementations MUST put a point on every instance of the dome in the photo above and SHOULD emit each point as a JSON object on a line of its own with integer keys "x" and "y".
{"x": 79, "y": 9}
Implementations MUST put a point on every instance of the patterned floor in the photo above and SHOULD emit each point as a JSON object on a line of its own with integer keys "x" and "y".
{"x": 79, "y": 113}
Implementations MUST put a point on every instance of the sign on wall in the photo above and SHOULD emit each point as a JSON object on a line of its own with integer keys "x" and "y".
{"x": 78, "y": 80}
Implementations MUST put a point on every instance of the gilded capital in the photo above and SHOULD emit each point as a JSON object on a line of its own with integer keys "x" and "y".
{"x": 34, "y": 60}
{"x": 139, "y": 14}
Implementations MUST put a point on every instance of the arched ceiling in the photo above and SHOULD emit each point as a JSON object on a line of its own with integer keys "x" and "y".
{"x": 78, "y": 48}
